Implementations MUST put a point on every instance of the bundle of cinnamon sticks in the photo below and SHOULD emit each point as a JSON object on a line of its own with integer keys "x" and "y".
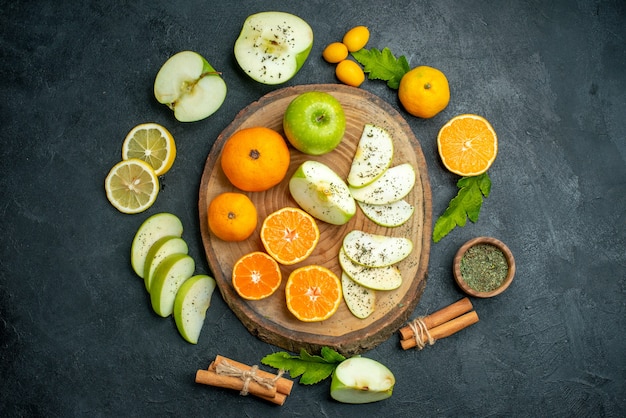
{"x": 438, "y": 325}
{"x": 230, "y": 374}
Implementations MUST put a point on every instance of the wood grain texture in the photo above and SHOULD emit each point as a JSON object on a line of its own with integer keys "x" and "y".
{"x": 269, "y": 319}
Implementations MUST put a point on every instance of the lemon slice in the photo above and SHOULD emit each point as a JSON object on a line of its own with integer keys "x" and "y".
{"x": 132, "y": 186}
{"x": 151, "y": 143}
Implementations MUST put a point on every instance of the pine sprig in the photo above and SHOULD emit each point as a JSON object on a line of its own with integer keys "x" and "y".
{"x": 466, "y": 205}
{"x": 382, "y": 65}
{"x": 311, "y": 368}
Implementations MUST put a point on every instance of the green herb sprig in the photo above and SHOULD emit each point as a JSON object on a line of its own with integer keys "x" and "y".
{"x": 382, "y": 65}
{"x": 311, "y": 368}
{"x": 466, "y": 204}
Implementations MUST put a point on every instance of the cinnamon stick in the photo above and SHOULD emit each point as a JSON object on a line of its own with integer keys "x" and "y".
{"x": 444, "y": 330}
{"x": 283, "y": 385}
{"x": 211, "y": 378}
{"x": 441, "y": 316}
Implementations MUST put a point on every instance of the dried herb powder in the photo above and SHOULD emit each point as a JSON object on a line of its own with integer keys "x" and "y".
{"x": 484, "y": 267}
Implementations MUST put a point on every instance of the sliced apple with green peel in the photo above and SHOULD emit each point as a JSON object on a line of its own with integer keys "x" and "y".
{"x": 191, "y": 304}
{"x": 360, "y": 380}
{"x": 273, "y": 46}
{"x": 190, "y": 86}
{"x": 374, "y": 250}
{"x": 395, "y": 184}
{"x": 373, "y": 156}
{"x": 322, "y": 193}
{"x": 150, "y": 231}
{"x": 173, "y": 271}
{"x": 157, "y": 253}
{"x": 360, "y": 300}
{"x": 375, "y": 278}
{"x": 390, "y": 215}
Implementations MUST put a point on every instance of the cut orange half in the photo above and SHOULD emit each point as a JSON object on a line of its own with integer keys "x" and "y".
{"x": 467, "y": 145}
{"x": 289, "y": 235}
{"x": 256, "y": 276}
{"x": 313, "y": 293}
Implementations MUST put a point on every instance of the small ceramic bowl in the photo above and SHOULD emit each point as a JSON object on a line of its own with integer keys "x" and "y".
{"x": 458, "y": 277}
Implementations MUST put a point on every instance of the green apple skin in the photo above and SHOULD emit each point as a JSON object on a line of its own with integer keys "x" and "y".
{"x": 191, "y": 304}
{"x": 190, "y": 86}
{"x": 173, "y": 271}
{"x": 320, "y": 191}
{"x": 157, "y": 253}
{"x": 314, "y": 123}
{"x": 273, "y": 46}
{"x": 359, "y": 380}
{"x": 150, "y": 231}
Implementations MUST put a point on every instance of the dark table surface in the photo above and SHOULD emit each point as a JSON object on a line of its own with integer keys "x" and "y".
{"x": 77, "y": 334}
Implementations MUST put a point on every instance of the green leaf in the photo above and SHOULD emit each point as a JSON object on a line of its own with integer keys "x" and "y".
{"x": 465, "y": 205}
{"x": 311, "y": 368}
{"x": 382, "y": 65}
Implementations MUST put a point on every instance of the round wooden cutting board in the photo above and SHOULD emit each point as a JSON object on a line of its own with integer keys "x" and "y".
{"x": 269, "y": 319}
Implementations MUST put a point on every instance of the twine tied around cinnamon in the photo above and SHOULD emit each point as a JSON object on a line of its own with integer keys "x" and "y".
{"x": 226, "y": 369}
{"x": 420, "y": 333}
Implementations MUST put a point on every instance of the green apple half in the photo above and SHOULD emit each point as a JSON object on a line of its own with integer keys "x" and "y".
{"x": 192, "y": 301}
{"x": 273, "y": 46}
{"x": 151, "y": 230}
{"x": 361, "y": 380}
{"x": 314, "y": 122}
{"x": 168, "y": 278}
{"x": 322, "y": 193}
{"x": 190, "y": 86}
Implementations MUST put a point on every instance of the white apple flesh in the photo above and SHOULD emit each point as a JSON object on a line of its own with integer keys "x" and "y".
{"x": 374, "y": 250}
{"x": 360, "y": 300}
{"x": 151, "y": 230}
{"x": 375, "y": 278}
{"x": 191, "y": 304}
{"x": 273, "y": 46}
{"x": 190, "y": 86}
{"x": 322, "y": 193}
{"x": 373, "y": 156}
{"x": 395, "y": 184}
{"x": 360, "y": 380}
{"x": 390, "y": 215}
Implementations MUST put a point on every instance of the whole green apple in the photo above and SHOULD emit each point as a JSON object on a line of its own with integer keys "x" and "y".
{"x": 314, "y": 122}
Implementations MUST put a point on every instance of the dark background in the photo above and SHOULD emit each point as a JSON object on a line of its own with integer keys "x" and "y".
{"x": 77, "y": 334}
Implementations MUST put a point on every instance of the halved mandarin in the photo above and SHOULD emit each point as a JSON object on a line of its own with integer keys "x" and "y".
{"x": 289, "y": 235}
{"x": 313, "y": 293}
{"x": 256, "y": 276}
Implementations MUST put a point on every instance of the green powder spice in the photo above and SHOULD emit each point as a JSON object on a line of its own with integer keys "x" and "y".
{"x": 484, "y": 267}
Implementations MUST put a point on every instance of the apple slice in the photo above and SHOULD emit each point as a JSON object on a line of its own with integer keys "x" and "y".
{"x": 168, "y": 277}
{"x": 375, "y": 278}
{"x": 192, "y": 301}
{"x": 190, "y": 86}
{"x": 374, "y": 250}
{"x": 151, "y": 230}
{"x": 157, "y": 253}
{"x": 390, "y": 215}
{"x": 361, "y": 380}
{"x": 395, "y": 183}
{"x": 360, "y": 300}
{"x": 322, "y": 193}
{"x": 373, "y": 156}
{"x": 273, "y": 46}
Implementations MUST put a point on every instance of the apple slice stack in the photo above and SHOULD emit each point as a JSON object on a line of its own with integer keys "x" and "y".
{"x": 159, "y": 256}
{"x": 368, "y": 261}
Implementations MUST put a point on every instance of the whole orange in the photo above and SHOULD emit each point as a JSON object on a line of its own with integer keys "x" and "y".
{"x": 424, "y": 91}
{"x": 232, "y": 216}
{"x": 255, "y": 159}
